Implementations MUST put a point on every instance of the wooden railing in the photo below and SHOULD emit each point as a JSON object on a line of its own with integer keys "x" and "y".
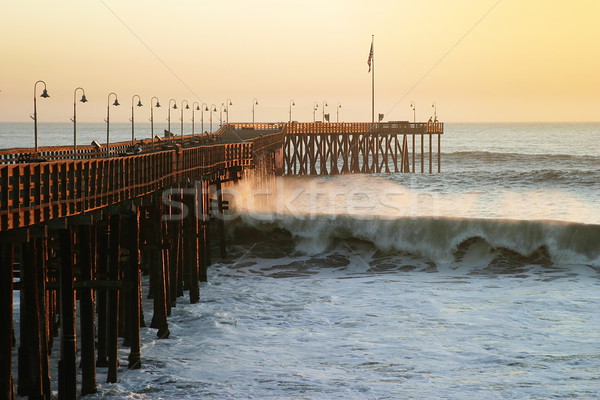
{"x": 54, "y": 153}
{"x": 399, "y": 127}
{"x": 31, "y": 193}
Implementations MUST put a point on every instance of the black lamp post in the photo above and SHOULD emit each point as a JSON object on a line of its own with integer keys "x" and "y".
{"x": 169, "y": 114}
{"x": 195, "y": 107}
{"x": 157, "y": 105}
{"x": 213, "y": 108}
{"x": 204, "y": 108}
{"x": 227, "y": 104}
{"x": 315, "y": 106}
{"x": 74, "y": 119}
{"x": 337, "y": 119}
{"x": 139, "y": 104}
{"x": 116, "y": 103}
{"x": 324, "y": 105}
{"x": 44, "y": 95}
{"x": 187, "y": 107}
{"x": 292, "y": 103}
{"x": 254, "y": 103}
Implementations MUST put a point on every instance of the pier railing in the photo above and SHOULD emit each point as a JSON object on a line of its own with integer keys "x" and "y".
{"x": 400, "y": 127}
{"x": 31, "y": 193}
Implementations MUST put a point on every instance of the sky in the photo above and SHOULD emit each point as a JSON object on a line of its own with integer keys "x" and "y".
{"x": 477, "y": 60}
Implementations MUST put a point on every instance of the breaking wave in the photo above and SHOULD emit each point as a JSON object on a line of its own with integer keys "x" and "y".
{"x": 444, "y": 240}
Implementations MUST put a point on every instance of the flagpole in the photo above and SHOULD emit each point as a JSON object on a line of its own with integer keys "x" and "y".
{"x": 373, "y": 80}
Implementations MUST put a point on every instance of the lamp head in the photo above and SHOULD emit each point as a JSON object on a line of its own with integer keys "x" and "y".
{"x": 174, "y": 106}
{"x": 116, "y": 103}
{"x": 45, "y": 94}
{"x": 187, "y": 106}
{"x": 206, "y": 108}
{"x": 139, "y": 104}
{"x": 83, "y": 99}
{"x": 157, "y": 105}
{"x": 197, "y": 107}
{"x": 230, "y": 103}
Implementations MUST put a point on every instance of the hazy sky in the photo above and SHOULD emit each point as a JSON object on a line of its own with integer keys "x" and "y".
{"x": 479, "y": 60}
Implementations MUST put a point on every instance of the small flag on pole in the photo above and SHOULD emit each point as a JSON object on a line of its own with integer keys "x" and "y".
{"x": 370, "y": 57}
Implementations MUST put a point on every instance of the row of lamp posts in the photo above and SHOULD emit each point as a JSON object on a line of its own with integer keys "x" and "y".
{"x": 154, "y": 104}
{"x": 195, "y": 107}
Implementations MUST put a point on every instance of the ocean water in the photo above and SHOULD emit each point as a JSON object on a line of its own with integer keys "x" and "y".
{"x": 482, "y": 282}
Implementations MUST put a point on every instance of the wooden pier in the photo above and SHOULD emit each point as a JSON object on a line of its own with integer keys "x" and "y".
{"x": 81, "y": 227}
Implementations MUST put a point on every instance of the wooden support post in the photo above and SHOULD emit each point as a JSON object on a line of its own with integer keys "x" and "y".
{"x": 413, "y": 153}
{"x": 422, "y": 155}
{"x": 430, "y": 155}
{"x": 201, "y": 190}
{"x": 67, "y": 375}
{"x": 6, "y": 313}
{"x": 134, "y": 290}
{"x": 439, "y": 153}
{"x": 221, "y": 219}
{"x": 101, "y": 295}
{"x": 190, "y": 240}
{"x": 112, "y": 325}
{"x": 86, "y": 319}
{"x": 34, "y": 379}
{"x": 156, "y": 252}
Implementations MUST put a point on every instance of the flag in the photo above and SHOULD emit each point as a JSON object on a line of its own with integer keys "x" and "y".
{"x": 370, "y": 57}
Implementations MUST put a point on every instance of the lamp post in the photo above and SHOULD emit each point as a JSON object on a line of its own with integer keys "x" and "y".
{"x": 187, "y": 107}
{"x": 337, "y": 118}
{"x": 292, "y": 103}
{"x": 204, "y": 108}
{"x": 195, "y": 107}
{"x": 116, "y": 103}
{"x": 324, "y": 105}
{"x": 44, "y": 95}
{"x": 223, "y": 106}
{"x": 254, "y": 103}
{"x": 414, "y": 108}
{"x": 213, "y": 108}
{"x": 434, "y": 105}
{"x": 139, "y": 104}
{"x": 74, "y": 119}
{"x": 227, "y": 104}
{"x": 315, "y": 106}
{"x": 169, "y": 115}
{"x": 157, "y": 105}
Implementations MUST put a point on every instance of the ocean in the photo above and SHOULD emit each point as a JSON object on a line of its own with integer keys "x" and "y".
{"x": 482, "y": 282}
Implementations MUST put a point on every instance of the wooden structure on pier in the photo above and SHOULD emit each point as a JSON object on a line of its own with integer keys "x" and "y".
{"x": 349, "y": 148}
{"x": 82, "y": 225}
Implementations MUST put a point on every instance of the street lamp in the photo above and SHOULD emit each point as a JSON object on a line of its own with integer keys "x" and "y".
{"x": 157, "y": 105}
{"x": 213, "y": 108}
{"x": 337, "y": 118}
{"x": 434, "y": 112}
{"x": 414, "y": 108}
{"x": 169, "y": 115}
{"x": 292, "y": 103}
{"x": 139, "y": 104}
{"x": 116, "y": 103}
{"x": 227, "y": 104}
{"x": 324, "y": 105}
{"x": 187, "y": 107}
{"x": 74, "y": 119}
{"x": 223, "y": 106}
{"x": 315, "y": 106}
{"x": 194, "y": 109}
{"x": 44, "y": 95}
{"x": 204, "y": 108}
{"x": 254, "y": 103}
